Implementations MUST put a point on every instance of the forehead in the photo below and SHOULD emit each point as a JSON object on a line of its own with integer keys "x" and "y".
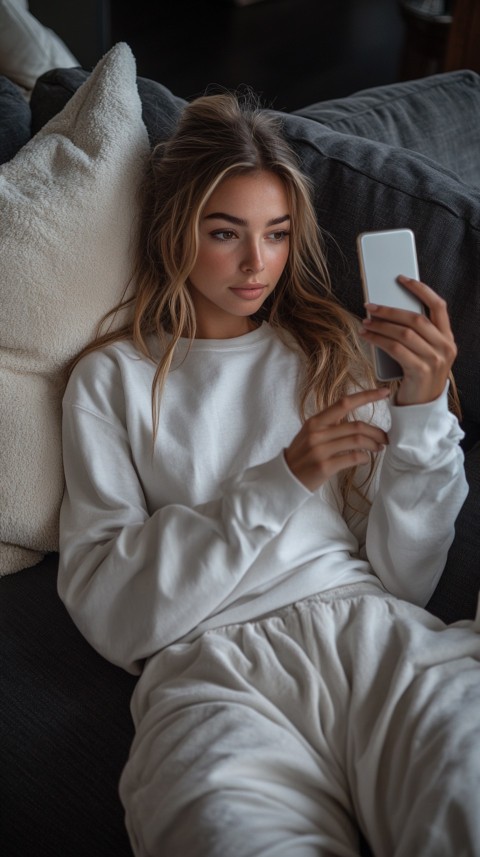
{"x": 252, "y": 192}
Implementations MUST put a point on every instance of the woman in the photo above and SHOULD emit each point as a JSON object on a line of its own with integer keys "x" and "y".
{"x": 250, "y": 524}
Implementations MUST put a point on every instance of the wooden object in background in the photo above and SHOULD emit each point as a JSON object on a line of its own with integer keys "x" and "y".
{"x": 426, "y": 38}
{"x": 463, "y": 48}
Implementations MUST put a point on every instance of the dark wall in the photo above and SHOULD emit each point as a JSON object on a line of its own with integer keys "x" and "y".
{"x": 293, "y": 52}
{"x": 84, "y": 26}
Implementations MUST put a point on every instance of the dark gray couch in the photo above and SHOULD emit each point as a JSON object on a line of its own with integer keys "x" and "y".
{"x": 401, "y": 155}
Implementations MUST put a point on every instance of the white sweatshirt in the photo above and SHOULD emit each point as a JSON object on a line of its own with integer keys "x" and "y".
{"x": 209, "y": 526}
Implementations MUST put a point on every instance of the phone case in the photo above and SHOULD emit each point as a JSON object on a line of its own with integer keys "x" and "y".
{"x": 383, "y": 256}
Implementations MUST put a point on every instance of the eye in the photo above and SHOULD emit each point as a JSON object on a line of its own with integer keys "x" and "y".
{"x": 277, "y": 237}
{"x": 223, "y": 234}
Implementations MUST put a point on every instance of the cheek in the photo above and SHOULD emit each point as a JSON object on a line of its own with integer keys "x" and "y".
{"x": 203, "y": 264}
{"x": 280, "y": 261}
{"x": 211, "y": 260}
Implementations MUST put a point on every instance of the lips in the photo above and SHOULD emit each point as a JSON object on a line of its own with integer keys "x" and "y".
{"x": 250, "y": 292}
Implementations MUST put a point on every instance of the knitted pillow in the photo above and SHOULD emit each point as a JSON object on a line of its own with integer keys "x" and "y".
{"x": 67, "y": 212}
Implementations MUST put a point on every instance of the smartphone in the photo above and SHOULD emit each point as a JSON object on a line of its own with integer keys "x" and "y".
{"x": 382, "y": 257}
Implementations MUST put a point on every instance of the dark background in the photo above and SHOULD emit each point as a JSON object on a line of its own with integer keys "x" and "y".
{"x": 292, "y": 52}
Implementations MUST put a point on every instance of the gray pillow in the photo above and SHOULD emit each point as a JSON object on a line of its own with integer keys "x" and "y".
{"x": 160, "y": 108}
{"x": 15, "y": 119}
{"x": 437, "y": 116}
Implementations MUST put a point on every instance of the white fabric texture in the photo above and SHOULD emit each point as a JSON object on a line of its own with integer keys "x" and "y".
{"x": 27, "y": 48}
{"x": 67, "y": 216}
{"x": 280, "y": 737}
{"x": 211, "y": 527}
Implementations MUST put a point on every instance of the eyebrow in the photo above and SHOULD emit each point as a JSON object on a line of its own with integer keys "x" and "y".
{"x": 238, "y": 221}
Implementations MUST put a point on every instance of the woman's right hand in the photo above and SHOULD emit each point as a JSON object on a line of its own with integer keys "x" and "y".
{"x": 327, "y": 443}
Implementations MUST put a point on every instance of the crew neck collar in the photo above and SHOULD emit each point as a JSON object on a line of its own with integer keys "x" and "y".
{"x": 237, "y": 342}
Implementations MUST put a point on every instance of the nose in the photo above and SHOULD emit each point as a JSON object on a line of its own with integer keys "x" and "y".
{"x": 252, "y": 262}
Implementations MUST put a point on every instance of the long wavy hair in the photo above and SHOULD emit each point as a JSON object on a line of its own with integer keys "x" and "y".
{"x": 220, "y": 136}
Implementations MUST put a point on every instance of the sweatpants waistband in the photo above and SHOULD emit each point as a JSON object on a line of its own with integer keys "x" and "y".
{"x": 338, "y": 593}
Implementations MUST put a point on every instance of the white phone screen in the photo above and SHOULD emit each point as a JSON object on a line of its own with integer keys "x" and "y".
{"x": 383, "y": 256}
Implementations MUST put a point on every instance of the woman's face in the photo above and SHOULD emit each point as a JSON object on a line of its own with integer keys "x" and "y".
{"x": 243, "y": 249}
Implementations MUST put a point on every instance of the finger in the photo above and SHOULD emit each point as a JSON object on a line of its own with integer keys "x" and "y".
{"x": 352, "y": 458}
{"x": 351, "y": 443}
{"x": 409, "y": 347}
{"x": 315, "y": 467}
{"x": 437, "y": 306}
{"x": 402, "y": 353}
{"x": 411, "y": 329}
{"x": 348, "y": 403}
{"x": 353, "y": 431}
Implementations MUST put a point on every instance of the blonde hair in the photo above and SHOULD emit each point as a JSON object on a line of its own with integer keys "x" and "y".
{"x": 218, "y": 136}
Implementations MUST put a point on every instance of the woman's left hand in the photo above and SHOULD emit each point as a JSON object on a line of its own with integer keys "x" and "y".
{"x": 424, "y": 347}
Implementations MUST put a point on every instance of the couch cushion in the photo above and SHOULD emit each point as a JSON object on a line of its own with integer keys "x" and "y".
{"x": 437, "y": 116}
{"x": 27, "y": 48}
{"x": 68, "y": 205}
{"x": 457, "y": 593}
{"x": 15, "y": 120}
{"x": 65, "y": 730}
{"x": 160, "y": 108}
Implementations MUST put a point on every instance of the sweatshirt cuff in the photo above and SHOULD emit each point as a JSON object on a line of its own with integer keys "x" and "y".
{"x": 422, "y": 433}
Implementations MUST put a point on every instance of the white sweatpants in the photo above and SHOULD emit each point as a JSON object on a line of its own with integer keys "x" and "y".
{"x": 281, "y": 737}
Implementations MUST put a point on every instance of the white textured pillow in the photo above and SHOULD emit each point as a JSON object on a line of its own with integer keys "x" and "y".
{"x": 67, "y": 215}
{"x": 27, "y": 48}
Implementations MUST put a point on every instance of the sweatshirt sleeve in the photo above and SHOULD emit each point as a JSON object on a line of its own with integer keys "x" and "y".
{"x": 135, "y": 580}
{"x": 419, "y": 489}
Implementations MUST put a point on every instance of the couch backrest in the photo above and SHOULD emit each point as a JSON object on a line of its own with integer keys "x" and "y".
{"x": 437, "y": 117}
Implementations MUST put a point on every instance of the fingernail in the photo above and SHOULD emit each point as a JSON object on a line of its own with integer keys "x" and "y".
{"x": 372, "y": 307}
